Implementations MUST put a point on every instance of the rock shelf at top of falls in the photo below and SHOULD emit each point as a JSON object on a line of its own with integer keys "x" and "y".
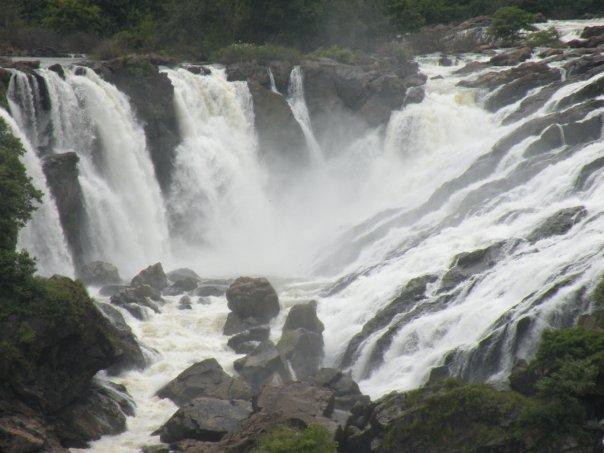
{"x": 415, "y": 220}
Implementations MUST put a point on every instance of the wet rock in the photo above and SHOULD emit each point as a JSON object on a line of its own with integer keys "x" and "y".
{"x": 444, "y": 60}
{"x": 304, "y": 316}
{"x": 492, "y": 80}
{"x": 263, "y": 365}
{"x": 205, "y": 379}
{"x": 346, "y": 390}
{"x": 589, "y": 43}
{"x": 153, "y": 276}
{"x": 61, "y": 171}
{"x": 532, "y": 104}
{"x": 588, "y": 92}
{"x": 413, "y": 292}
{"x": 181, "y": 274}
{"x": 551, "y": 138}
{"x": 468, "y": 264}
{"x": 415, "y": 95}
{"x": 156, "y": 449}
{"x": 102, "y": 411}
{"x": 523, "y": 379}
{"x": 253, "y": 298}
{"x": 205, "y": 419}
{"x": 24, "y": 434}
{"x": 135, "y": 299}
{"x": 183, "y": 285}
{"x": 111, "y": 290}
{"x": 234, "y": 324}
{"x": 303, "y": 350}
{"x": 512, "y": 58}
{"x": 99, "y": 273}
{"x": 587, "y": 172}
{"x": 246, "y": 342}
{"x": 131, "y": 356}
{"x": 590, "y": 32}
{"x": 208, "y": 289}
{"x": 468, "y": 36}
{"x": 297, "y": 399}
{"x": 558, "y": 224}
{"x": 472, "y": 66}
{"x": 185, "y": 303}
{"x": 58, "y": 69}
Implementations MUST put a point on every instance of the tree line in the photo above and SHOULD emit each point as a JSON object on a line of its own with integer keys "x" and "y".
{"x": 199, "y": 27}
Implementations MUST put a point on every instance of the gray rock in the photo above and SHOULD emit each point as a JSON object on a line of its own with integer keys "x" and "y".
{"x": 111, "y": 290}
{"x": 234, "y": 324}
{"x": 183, "y": 285}
{"x": 246, "y": 342}
{"x": 304, "y": 316}
{"x": 303, "y": 350}
{"x": 558, "y": 224}
{"x": 185, "y": 303}
{"x": 205, "y": 419}
{"x": 512, "y": 58}
{"x": 182, "y": 273}
{"x": 253, "y": 298}
{"x": 297, "y": 399}
{"x": 99, "y": 273}
{"x": 134, "y": 299}
{"x": 263, "y": 365}
{"x": 205, "y": 379}
{"x": 153, "y": 276}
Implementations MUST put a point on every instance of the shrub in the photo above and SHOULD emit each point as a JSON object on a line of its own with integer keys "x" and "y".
{"x": 73, "y": 15}
{"x": 341, "y": 54}
{"x": 509, "y": 21}
{"x": 242, "y": 52}
{"x": 544, "y": 38}
{"x": 285, "y": 439}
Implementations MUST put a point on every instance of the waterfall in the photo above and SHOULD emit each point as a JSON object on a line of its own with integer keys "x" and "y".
{"x": 271, "y": 77}
{"x": 43, "y": 236}
{"x": 297, "y": 103}
{"x": 122, "y": 198}
{"x": 217, "y": 200}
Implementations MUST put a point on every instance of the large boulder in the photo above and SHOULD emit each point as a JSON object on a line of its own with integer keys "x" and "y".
{"x": 61, "y": 171}
{"x": 205, "y": 419}
{"x": 205, "y": 379}
{"x": 346, "y": 390}
{"x": 132, "y": 356}
{"x": 253, "y": 298}
{"x": 263, "y": 365}
{"x": 153, "y": 276}
{"x": 182, "y": 273}
{"x": 99, "y": 273}
{"x": 304, "y": 316}
{"x": 136, "y": 300}
{"x": 101, "y": 411}
{"x": 181, "y": 286}
{"x": 302, "y": 400}
{"x": 27, "y": 433}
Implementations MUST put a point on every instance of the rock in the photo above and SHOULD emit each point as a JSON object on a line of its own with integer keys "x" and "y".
{"x": 61, "y": 171}
{"x": 153, "y": 276}
{"x": 111, "y": 290}
{"x": 558, "y": 224}
{"x": 27, "y": 434}
{"x": 444, "y": 60}
{"x": 469, "y": 36}
{"x": 415, "y": 95}
{"x": 303, "y": 350}
{"x": 472, "y": 66}
{"x": 205, "y": 379}
{"x": 246, "y": 342}
{"x": 58, "y": 69}
{"x": 551, "y": 139}
{"x": 181, "y": 274}
{"x": 304, "y": 316}
{"x": 205, "y": 419}
{"x": 590, "y": 32}
{"x": 185, "y": 303}
{"x": 63, "y": 353}
{"x": 206, "y": 289}
{"x": 263, "y": 365}
{"x": 346, "y": 390}
{"x": 253, "y": 298}
{"x": 156, "y": 449}
{"x": 522, "y": 379}
{"x": 131, "y": 356}
{"x": 183, "y": 285}
{"x": 593, "y": 42}
{"x": 102, "y": 411}
{"x": 98, "y": 273}
{"x": 134, "y": 299}
{"x": 512, "y": 58}
{"x": 301, "y": 400}
{"x": 234, "y": 324}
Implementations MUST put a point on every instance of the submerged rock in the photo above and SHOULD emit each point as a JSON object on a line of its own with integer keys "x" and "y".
{"x": 99, "y": 273}
{"x": 205, "y": 419}
{"x": 205, "y": 379}
{"x": 153, "y": 276}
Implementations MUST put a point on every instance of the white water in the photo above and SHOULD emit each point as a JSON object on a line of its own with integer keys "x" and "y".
{"x": 227, "y": 221}
{"x": 127, "y": 224}
{"x": 43, "y": 234}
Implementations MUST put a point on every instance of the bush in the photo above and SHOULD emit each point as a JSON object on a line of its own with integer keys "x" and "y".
{"x": 262, "y": 54}
{"x": 284, "y": 439}
{"x": 509, "y": 21}
{"x": 73, "y": 15}
{"x": 341, "y": 54}
{"x": 544, "y": 38}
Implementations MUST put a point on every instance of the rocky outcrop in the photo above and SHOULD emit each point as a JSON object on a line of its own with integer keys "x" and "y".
{"x": 468, "y": 36}
{"x": 346, "y": 391}
{"x": 558, "y": 224}
{"x": 151, "y": 94}
{"x": 153, "y": 276}
{"x": 99, "y": 273}
{"x": 136, "y": 299}
{"x": 61, "y": 171}
{"x": 205, "y": 379}
{"x": 205, "y": 419}
{"x": 263, "y": 365}
{"x": 512, "y": 57}
{"x": 301, "y": 342}
{"x": 132, "y": 356}
{"x": 253, "y": 302}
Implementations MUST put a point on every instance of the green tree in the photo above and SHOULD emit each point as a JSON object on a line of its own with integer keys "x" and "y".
{"x": 73, "y": 15}
{"x": 509, "y": 21}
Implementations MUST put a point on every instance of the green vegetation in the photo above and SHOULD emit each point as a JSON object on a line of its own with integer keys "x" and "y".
{"x": 544, "y": 38}
{"x": 509, "y": 21}
{"x": 237, "y": 53}
{"x": 284, "y": 439}
{"x": 335, "y": 52}
{"x": 198, "y": 28}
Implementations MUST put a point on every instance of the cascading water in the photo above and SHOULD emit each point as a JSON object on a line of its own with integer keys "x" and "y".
{"x": 42, "y": 236}
{"x": 122, "y": 198}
